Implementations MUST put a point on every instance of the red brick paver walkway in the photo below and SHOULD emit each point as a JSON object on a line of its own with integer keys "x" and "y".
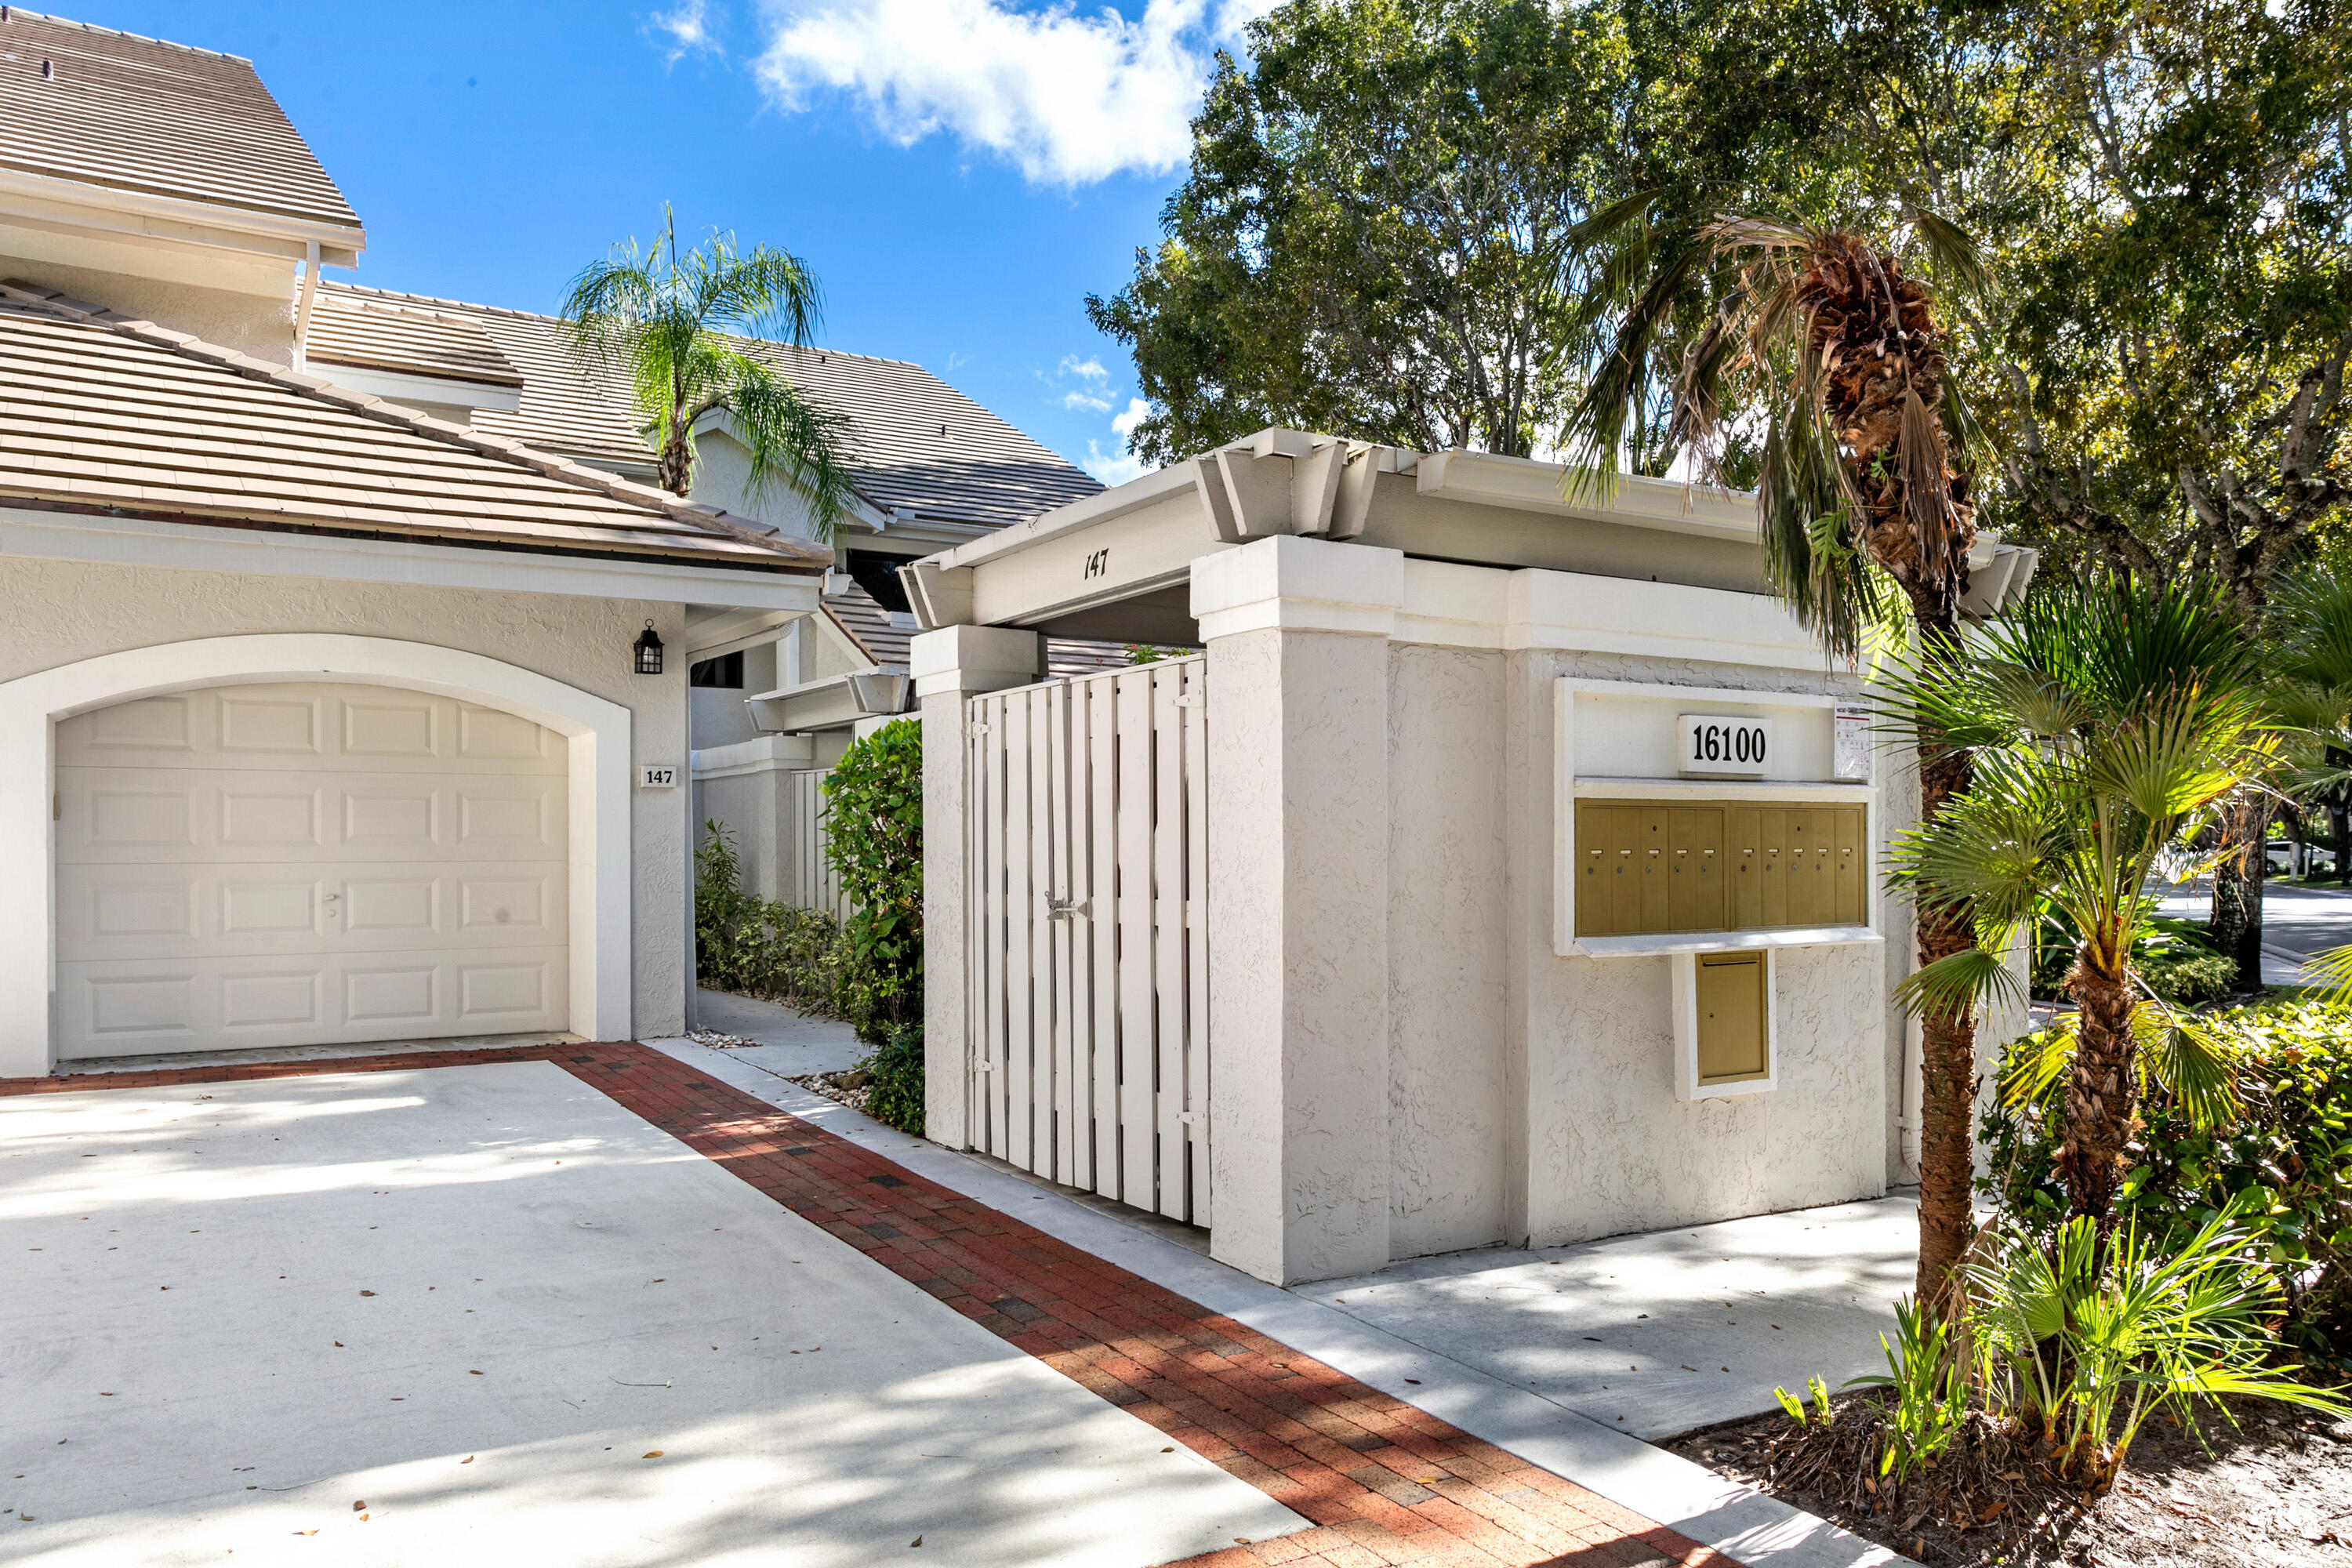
{"x": 1383, "y": 1481}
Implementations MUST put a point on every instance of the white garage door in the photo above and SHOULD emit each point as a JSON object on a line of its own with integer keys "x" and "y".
{"x": 307, "y": 864}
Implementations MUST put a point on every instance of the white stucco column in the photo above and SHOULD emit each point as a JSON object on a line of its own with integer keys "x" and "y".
{"x": 948, "y": 666}
{"x": 1297, "y": 634}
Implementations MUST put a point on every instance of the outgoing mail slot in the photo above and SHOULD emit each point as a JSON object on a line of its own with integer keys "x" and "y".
{"x": 1723, "y": 1023}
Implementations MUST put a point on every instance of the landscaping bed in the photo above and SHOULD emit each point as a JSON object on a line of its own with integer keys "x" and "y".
{"x": 2275, "y": 1492}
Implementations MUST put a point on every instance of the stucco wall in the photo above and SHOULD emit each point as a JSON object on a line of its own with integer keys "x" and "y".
{"x": 1531, "y": 1096}
{"x": 248, "y": 323}
{"x": 1448, "y": 871}
{"x": 58, "y": 612}
{"x": 751, "y": 808}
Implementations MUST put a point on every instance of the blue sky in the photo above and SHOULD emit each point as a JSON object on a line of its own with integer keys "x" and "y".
{"x": 960, "y": 172}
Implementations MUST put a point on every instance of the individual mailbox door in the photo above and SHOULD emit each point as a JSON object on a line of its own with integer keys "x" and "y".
{"x": 1808, "y": 869}
{"x": 1609, "y": 883}
{"x": 1734, "y": 1042}
{"x": 1651, "y": 844}
{"x": 1853, "y": 893}
{"x": 1694, "y": 868}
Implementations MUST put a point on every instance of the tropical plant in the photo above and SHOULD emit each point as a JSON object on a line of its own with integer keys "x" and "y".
{"x": 2285, "y": 1161}
{"x": 874, "y": 836}
{"x": 683, "y": 331}
{"x": 1861, "y": 463}
{"x": 2103, "y": 723}
{"x": 1928, "y": 1381}
{"x": 2084, "y": 1327}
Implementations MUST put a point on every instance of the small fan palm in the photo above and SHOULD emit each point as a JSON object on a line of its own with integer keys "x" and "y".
{"x": 1823, "y": 370}
{"x": 2103, "y": 725}
{"x": 671, "y": 324}
{"x": 2311, "y": 667}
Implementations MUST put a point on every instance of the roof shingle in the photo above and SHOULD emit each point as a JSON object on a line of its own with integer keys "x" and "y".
{"x": 345, "y": 330}
{"x": 117, "y": 110}
{"x": 922, "y": 447}
{"x": 100, "y": 412}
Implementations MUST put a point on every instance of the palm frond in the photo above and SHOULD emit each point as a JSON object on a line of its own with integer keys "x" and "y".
{"x": 1958, "y": 982}
{"x": 1959, "y": 266}
{"x": 2190, "y": 1061}
{"x": 791, "y": 440}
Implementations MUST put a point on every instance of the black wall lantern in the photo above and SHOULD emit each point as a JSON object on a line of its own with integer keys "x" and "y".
{"x": 649, "y": 652}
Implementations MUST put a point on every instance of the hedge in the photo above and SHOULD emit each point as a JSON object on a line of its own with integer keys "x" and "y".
{"x": 2290, "y": 1152}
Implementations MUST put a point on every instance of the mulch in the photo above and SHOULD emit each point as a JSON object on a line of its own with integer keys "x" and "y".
{"x": 2275, "y": 1491}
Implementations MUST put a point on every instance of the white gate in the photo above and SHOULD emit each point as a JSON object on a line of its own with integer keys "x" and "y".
{"x": 1088, "y": 962}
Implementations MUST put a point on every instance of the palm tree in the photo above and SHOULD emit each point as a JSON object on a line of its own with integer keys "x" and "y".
{"x": 2103, "y": 725}
{"x": 672, "y": 325}
{"x": 1822, "y": 370}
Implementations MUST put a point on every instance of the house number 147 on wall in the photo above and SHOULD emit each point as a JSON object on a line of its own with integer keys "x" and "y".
{"x": 1714, "y": 745}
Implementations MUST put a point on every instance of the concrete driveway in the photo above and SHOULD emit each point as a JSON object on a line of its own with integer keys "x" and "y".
{"x": 485, "y": 1314}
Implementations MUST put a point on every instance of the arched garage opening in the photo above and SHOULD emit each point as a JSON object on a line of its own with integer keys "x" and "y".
{"x": 166, "y": 906}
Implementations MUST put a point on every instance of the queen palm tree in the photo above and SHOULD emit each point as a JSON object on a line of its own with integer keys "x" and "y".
{"x": 2103, "y": 725}
{"x": 672, "y": 325}
{"x": 1821, "y": 369}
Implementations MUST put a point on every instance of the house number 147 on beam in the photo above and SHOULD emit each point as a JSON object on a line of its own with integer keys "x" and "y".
{"x": 1098, "y": 563}
{"x": 1709, "y": 745}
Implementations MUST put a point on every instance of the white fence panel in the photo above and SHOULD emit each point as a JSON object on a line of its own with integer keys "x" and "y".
{"x": 1088, "y": 850}
{"x": 809, "y": 879}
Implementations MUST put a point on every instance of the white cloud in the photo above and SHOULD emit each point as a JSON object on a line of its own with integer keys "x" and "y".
{"x": 1093, "y": 400}
{"x": 1069, "y": 98}
{"x": 689, "y": 29}
{"x": 1113, "y": 468}
{"x": 1087, "y": 369}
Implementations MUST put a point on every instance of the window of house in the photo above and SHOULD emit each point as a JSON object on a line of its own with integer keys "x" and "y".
{"x": 726, "y": 671}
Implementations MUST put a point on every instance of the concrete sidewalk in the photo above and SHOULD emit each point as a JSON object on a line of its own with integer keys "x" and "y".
{"x": 1439, "y": 1342}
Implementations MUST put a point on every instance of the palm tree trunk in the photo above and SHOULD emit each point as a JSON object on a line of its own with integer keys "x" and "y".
{"x": 1948, "y": 1072}
{"x": 677, "y": 462}
{"x": 2101, "y": 1091}
{"x": 1948, "y": 1043}
{"x": 2238, "y": 886}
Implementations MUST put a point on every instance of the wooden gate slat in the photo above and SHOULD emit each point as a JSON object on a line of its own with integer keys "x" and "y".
{"x": 1020, "y": 964}
{"x": 1102, "y": 927}
{"x": 994, "y": 988}
{"x": 1060, "y": 830}
{"x": 1138, "y": 1059}
{"x": 1171, "y": 995}
{"x": 1197, "y": 1132}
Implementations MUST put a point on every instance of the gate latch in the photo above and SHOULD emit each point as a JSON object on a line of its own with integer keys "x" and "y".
{"x": 1063, "y": 909}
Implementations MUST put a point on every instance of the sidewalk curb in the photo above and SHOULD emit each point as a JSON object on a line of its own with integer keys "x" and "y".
{"x": 1755, "y": 1529}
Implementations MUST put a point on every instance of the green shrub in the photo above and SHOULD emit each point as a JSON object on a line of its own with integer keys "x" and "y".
{"x": 896, "y": 1094}
{"x": 874, "y": 836}
{"x": 2287, "y": 1161}
{"x": 2174, "y": 957}
{"x": 758, "y": 947}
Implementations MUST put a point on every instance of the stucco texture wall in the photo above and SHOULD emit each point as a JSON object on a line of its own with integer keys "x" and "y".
{"x": 1532, "y": 1096}
{"x": 59, "y": 612}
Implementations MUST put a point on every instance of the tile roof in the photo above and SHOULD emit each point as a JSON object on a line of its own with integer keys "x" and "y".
{"x": 100, "y": 412}
{"x": 347, "y": 329}
{"x": 980, "y": 471}
{"x": 884, "y": 637}
{"x": 117, "y": 110}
